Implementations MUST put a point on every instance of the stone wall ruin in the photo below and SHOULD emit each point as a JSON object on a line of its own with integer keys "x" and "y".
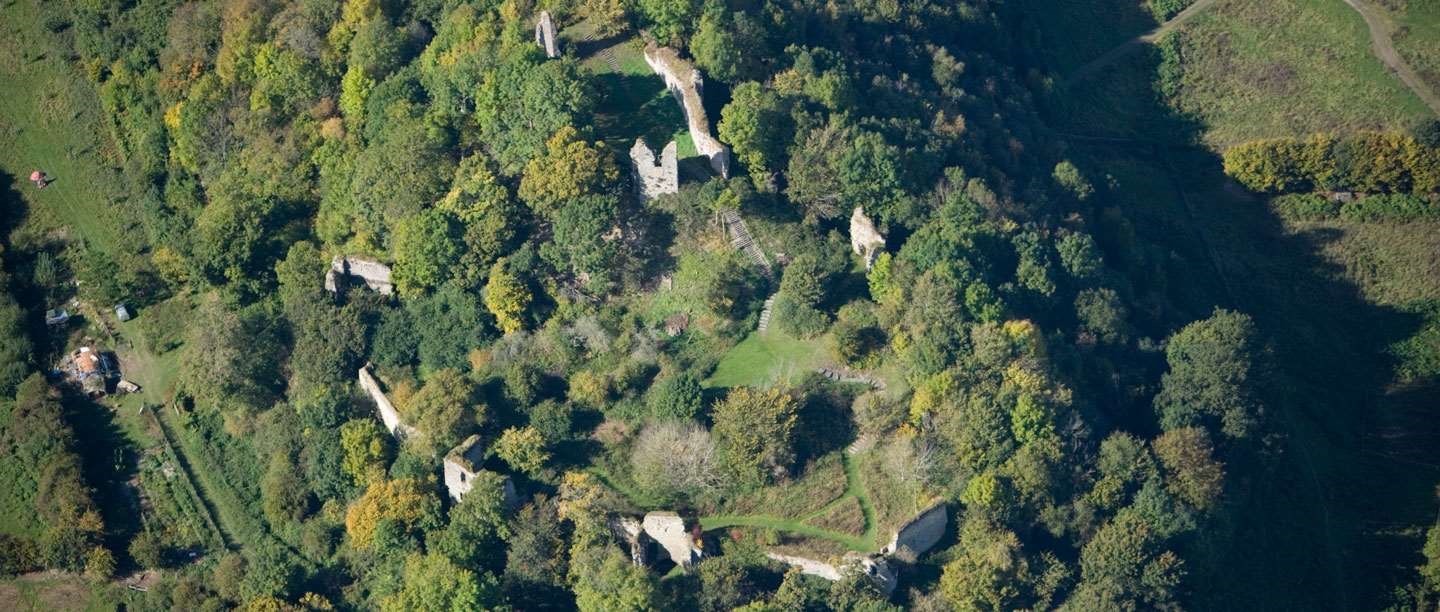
{"x": 655, "y": 179}
{"x": 388, "y": 415}
{"x": 668, "y": 530}
{"x": 461, "y": 465}
{"x": 545, "y": 35}
{"x": 918, "y": 535}
{"x": 374, "y": 274}
{"x": 684, "y": 81}
{"x": 865, "y": 240}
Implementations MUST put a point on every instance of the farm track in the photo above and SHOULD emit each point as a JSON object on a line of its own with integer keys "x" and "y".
{"x": 1126, "y": 47}
{"x": 1382, "y": 42}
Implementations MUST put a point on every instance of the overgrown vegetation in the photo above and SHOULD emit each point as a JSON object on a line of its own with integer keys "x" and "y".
{"x": 1049, "y": 345}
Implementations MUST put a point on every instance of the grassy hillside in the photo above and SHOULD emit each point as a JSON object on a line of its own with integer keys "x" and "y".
{"x": 1259, "y": 69}
{"x": 1418, "y": 36}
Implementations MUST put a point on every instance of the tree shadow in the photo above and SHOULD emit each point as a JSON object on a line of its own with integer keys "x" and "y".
{"x": 637, "y": 106}
{"x": 111, "y": 463}
{"x": 589, "y": 47}
{"x": 1352, "y": 459}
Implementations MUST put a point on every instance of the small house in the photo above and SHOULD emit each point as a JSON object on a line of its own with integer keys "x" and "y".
{"x": 122, "y": 312}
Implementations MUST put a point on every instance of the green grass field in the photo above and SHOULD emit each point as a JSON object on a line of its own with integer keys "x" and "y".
{"x": 50, "y": 119}
{"x": 768, "y": 358}
{"x": 1286, "y": 67}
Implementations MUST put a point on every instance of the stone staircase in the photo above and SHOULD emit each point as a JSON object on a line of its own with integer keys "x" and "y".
{"x": 741, "y": 239}
{"x": 765, "y": 313}
{"x": 861, "y": 444}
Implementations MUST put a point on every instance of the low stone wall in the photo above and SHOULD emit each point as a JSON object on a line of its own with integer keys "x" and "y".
{"x": 388, "y": 415}
{"x": 684, "y": 80}
{"x": 809, "y": 567}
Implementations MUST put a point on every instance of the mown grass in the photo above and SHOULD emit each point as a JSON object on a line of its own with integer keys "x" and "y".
{"x": 1286, "y": 67}
{"x": 768, "y": 358}
{"x": 50, "y": 120}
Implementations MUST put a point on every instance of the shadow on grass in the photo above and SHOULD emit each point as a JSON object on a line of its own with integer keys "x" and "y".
{"x": 110, "y": 461}
{"x": 1311, "y": 522}
{"x": 637, "y": 107}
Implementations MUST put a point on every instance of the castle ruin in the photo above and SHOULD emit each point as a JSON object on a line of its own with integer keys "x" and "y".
{"x": 388, "y": 415}
{"x": 374, "y": 274}
{"x": 865, "y": 240}
{"x": 545, "y": 35}
{"x": 684, "y": 81}
{"x": 655, "y": 179}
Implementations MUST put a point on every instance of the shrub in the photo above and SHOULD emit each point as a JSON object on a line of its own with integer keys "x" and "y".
{"x": 675, "y": 459}
{"x": 1394, "y": 207}
{"x": 1305, "y": 207}
{"x": 1367, "y": 162}
{"x": 1165, "y": 9}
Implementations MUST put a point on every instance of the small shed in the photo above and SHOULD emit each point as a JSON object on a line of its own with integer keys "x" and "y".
{"x": 56, "y": 316}
{"x": 122, "y": 312}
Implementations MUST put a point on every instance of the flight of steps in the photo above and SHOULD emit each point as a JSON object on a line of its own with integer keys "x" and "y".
{"x": 765, "y": 313}
{"x": 741, "y": 239}
{"x": 861, "y": 444}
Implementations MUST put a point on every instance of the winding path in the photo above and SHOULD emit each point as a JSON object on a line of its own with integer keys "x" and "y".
{"x": 1118, "y": 52}
{"x": 1382, "y": 41}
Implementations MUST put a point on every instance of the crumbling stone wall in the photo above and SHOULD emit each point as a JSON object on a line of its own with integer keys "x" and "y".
{"x": 918, "y": 535}
{"x": 545, "y": 35}
{"x": 684, "y": 80}
{"x": 810, "y": 567}
{"x": 874, "y": 567}
{"x": 632, "y": 533}
{"x": 668, "y": 530}
{"x": 388, "y": 414}
{"x": 461, "y": 465}
{"x": 865, "y": 240}
{"x": 652, "y": 179}
{"x": 376, "y": 275}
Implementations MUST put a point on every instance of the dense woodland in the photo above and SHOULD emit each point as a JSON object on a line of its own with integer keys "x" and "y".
{"x": 1092, "y": 438}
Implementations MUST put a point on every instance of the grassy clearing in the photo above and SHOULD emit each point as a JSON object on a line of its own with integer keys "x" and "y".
{"x": 47, "y": 592}
{"x": 845, "y": 516}
{"x": 1286, "y": 67}
{"x": 894, "y": 500}
{"x": 633, "y": 100}
{"x": 768, "y": 358}
{"x": 50, "y": 119}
